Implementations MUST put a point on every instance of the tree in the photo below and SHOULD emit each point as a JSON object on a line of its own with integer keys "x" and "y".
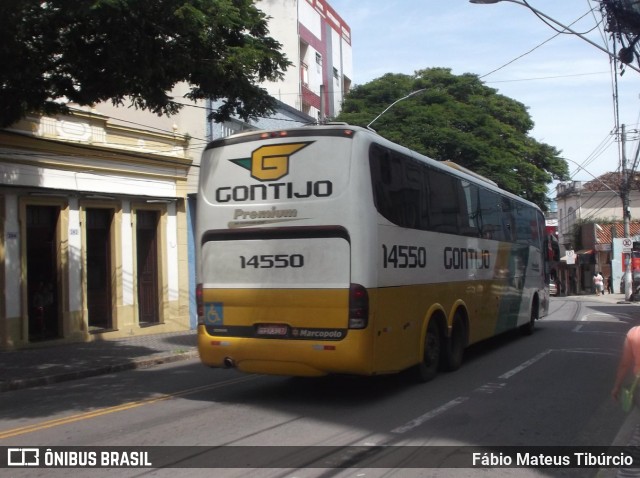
{"x": 460, "y": 119}
{"x": 57, "y": 52}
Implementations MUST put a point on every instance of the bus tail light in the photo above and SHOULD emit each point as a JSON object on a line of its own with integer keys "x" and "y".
{"x": 199, "y": 304}
{"x": 358, "y": 307}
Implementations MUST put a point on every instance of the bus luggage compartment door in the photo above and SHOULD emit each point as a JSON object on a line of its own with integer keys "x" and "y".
{"x": 276, "y": 286}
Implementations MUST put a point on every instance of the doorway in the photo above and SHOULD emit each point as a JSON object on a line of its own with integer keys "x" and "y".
{"x": 99, "y": 300}
{"x": 147, "y": 249}
{"x": 42, "y": 272}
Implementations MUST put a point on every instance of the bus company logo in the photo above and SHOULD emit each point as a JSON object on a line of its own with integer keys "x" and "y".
{"x": 270, "y": 163}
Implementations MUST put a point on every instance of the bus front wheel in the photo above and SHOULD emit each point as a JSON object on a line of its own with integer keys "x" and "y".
{"x": 527, "y": 329}
{"x": 428, "y": 368}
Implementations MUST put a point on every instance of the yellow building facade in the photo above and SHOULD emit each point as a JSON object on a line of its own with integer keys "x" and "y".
{"x": 94, "y": 231}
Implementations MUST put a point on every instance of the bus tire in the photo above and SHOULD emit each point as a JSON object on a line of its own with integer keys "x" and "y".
{"x": 453, "y": 351}
{"x": 527, "y": 329}
{"x": 427, "y": 369}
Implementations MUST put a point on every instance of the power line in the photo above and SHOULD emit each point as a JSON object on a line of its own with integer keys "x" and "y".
{"x": 539, "y": 45}
{"x": 547, "y": 77}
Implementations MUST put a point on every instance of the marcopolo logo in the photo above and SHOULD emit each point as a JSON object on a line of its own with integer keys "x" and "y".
{"x": 270, "y": 163}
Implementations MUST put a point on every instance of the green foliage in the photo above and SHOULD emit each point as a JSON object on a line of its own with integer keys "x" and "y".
{"x": 460, "y": 119}
{"x": 88, "y": 51}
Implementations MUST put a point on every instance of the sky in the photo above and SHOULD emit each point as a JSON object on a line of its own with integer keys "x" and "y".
{"x": 566, "y": 83}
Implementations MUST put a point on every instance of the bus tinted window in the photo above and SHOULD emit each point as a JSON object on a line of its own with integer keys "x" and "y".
{"x": 411, "y": 194}
{"x": 490, "y": 217}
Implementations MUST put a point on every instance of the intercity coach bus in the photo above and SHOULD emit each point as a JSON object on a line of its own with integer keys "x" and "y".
{"x": 330, "y": 250}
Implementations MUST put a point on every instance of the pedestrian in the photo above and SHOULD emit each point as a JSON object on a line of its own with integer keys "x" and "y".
{"x": 610, "y": 285}
{"x": 598, "y": 282}
{"x": 629, "y": 362}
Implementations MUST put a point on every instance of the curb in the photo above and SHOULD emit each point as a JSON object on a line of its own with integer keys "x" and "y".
{"x": 146, "y": 362}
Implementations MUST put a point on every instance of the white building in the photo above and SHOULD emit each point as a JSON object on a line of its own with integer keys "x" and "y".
{"x": 599, "y": 199}
{"x": 318, "y": 43}
{"x": 590, "y": 225}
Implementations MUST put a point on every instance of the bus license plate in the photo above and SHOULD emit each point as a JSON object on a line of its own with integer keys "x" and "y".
{"x": 272, "y": 330}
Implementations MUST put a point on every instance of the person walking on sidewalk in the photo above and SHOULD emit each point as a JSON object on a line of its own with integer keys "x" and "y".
{"x": 598, "y": 281}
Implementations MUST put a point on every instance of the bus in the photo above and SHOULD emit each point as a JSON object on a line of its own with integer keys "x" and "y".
{"x": 331, "y": 250}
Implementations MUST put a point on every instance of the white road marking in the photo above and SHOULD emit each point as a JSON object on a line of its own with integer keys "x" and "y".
{"x": 524, "y": 365}
{"x": 416, "y": 422}
{"x": 489, "y": 388}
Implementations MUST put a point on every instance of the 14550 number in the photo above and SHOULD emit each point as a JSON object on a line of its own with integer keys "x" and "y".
{"x": 404, "y": 257}
{"x": 269, "y": 261}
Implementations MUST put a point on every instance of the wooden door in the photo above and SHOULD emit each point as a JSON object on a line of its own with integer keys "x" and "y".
{"x": 147, "y": 253}
{"x": 42, "y": 272}
{"x": 99, "y": 300}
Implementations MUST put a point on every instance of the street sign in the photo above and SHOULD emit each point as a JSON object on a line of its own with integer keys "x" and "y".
{"x": 627, "y": 245}
{"x": 571, "y": 257}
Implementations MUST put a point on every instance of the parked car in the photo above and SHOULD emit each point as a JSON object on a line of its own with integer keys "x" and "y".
{"x": 553, "y": 288}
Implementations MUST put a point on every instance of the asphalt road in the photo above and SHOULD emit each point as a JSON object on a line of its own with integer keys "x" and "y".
{"x": 549, "y": 389}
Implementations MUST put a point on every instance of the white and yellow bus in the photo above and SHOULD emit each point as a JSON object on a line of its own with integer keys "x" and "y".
{"x": 328, "y": 249}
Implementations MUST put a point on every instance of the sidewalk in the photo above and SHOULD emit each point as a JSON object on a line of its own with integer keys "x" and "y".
{"x": 606, "y": 298}
{"x": 60, "y": 362}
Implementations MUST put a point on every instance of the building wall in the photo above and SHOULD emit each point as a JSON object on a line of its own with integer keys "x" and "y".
{"x": 313, "y": 84}
{"x": 76, "y": 171}
{"x": 191, "y": 121}
{"x": 577, "y": 203}
{"x": 283, "y": 26}
{"x": 590, "y": 203}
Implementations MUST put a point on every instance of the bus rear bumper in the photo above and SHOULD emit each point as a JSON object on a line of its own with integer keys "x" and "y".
{"x": 302, "y": 358}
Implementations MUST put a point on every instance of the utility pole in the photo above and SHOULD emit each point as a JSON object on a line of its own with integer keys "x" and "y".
{"x": 626, "y": 214}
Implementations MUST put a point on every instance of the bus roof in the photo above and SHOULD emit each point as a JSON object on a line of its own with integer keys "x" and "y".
{"x": 346, "y": 130}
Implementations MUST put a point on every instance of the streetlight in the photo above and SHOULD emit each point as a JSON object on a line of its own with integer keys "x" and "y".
{"x": 391, "y": 105}
{"x": 564, "y": 27}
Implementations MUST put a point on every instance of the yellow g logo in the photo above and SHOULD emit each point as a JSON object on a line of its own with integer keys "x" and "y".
{"x": 269, "y": 163}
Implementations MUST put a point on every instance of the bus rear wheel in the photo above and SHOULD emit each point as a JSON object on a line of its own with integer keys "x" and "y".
{"x": 428, "y": 368}
{"x": 453, "y": 351}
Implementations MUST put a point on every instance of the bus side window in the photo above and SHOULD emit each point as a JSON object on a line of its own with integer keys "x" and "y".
{"x": 443, "y": 199}
{"x": 381, "y": 178}
{"x": 490, "y": 215}
{"x": 526, "y": 225}
{"x": 413, "y": 190}
{"x": 398, "y": 187}
{"x": 508, "y": 223}
{"x": 469, "y": 209}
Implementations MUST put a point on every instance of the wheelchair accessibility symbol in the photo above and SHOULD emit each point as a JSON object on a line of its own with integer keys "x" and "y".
{"x": 213, "y": 313}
